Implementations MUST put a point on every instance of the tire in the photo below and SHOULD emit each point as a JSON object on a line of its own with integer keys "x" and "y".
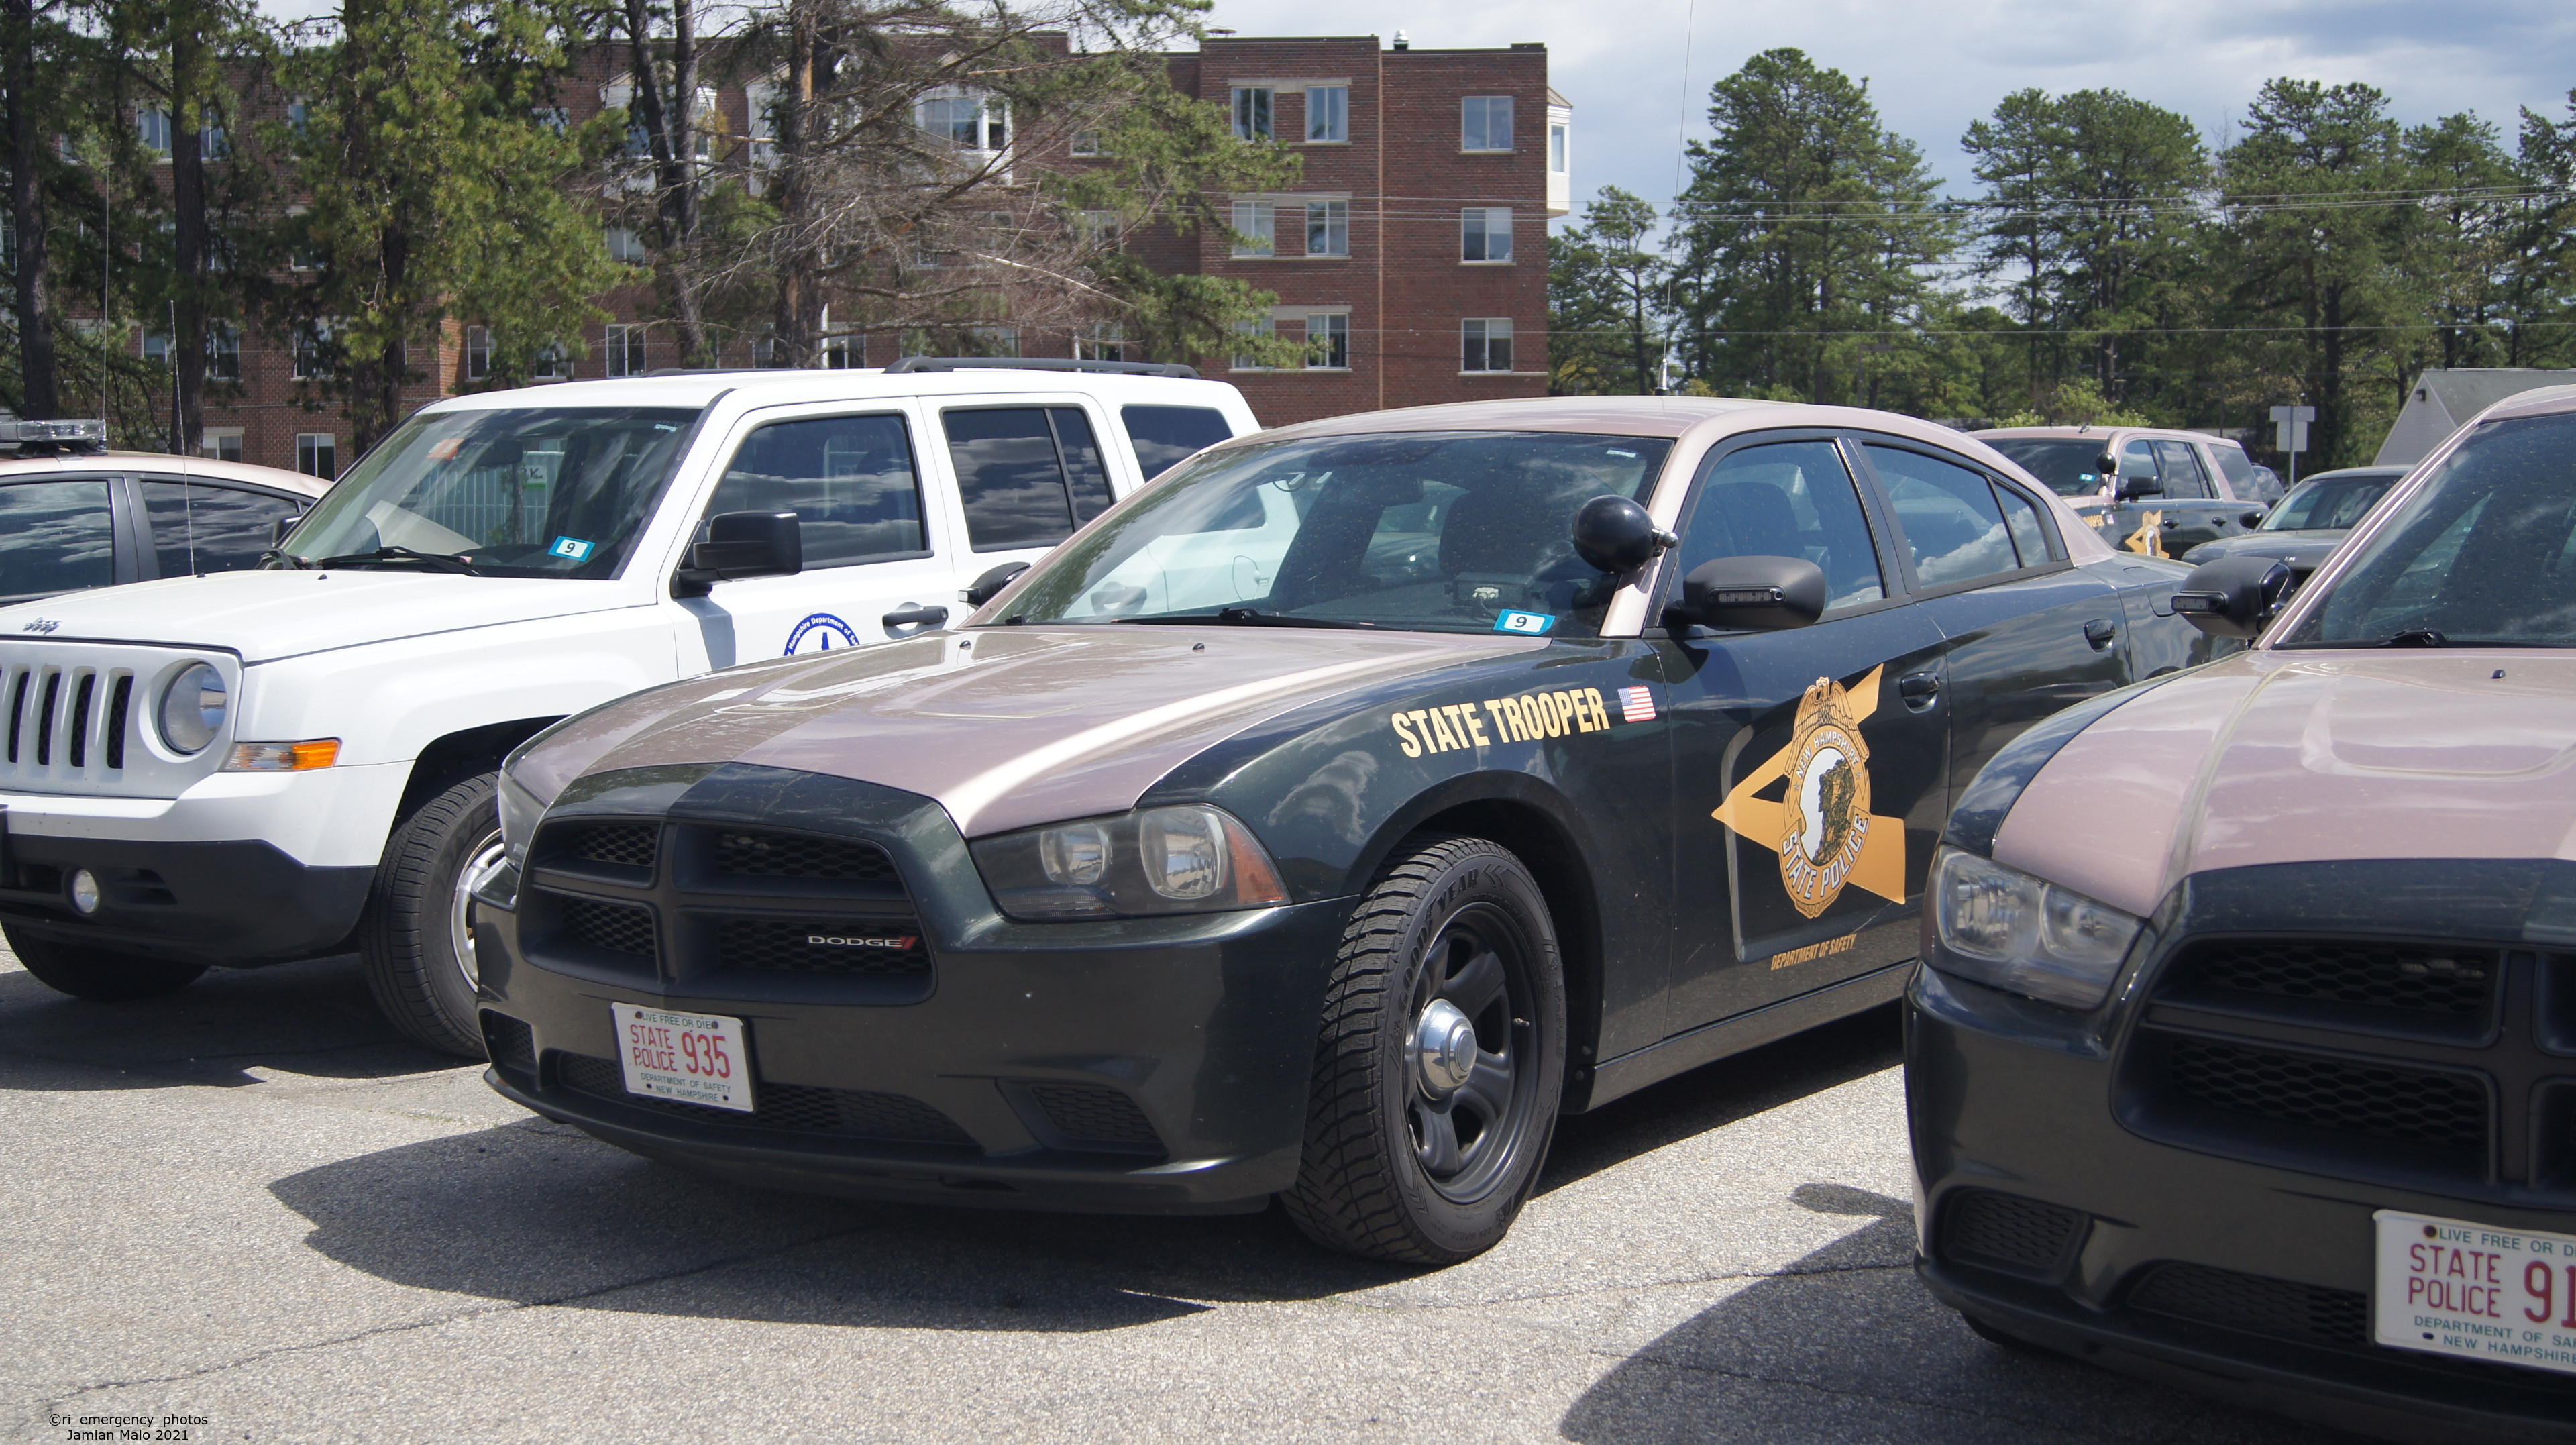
{"x": 98, "y": 974}
{"x": 415, "y": 936}
{"x": 1394, "y": 1168}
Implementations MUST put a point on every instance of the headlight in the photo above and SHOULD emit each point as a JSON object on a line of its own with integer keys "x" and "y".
{"x": 1186, "y": 859}
{"x": 192, "y": 709}
{"x": 2002, "y": 927}
{"x": 520, "y": 811}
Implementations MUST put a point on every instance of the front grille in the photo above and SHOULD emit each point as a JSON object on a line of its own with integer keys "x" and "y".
{"x": 619, "y": 845}
{"x": 2254, "y": 1304}
{"x": 510, "y": 1042}
{"x": 1095, "y": 1115}
{"x": 2404, "y": 977}
{"x": 749, "y": 853}
{"x": 2007, "y": 1232}
{"x": 76, "y": 713}
{"x": 2410, "y": 1105}
{"x": 888, "y": 948}
{"x": 614, "y": 927}
{"x": 803, "y": 1108}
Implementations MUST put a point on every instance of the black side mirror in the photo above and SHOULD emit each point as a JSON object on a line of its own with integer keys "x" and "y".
{"x": 2132, "y": 488}
{"x": 989, "y": 586}
{"x": 2233, "y": 596}
{"x": 277, "y": 533}
{"x": 1616, "y": 535}
{"x": 739, "y": 545}
{"x": 1751, "y": 594}
{"x": 2254, "y": 519}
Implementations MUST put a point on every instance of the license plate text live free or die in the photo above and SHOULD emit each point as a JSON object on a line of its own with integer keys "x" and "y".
{"x": 692, "y": 1058}
{"x": 2474, "y": 1291}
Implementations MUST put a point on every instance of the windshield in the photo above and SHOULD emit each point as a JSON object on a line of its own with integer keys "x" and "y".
{"x": 2482, "y": 554}
{"x": 524, "y": 492}
{"x": 2329, "y": 503}
{"x": 1426, "y": 531}
{"x": 2066, "y": 464}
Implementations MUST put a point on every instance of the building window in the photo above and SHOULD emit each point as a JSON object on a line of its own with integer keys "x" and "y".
{"x": 845, "y": 351}
{"x": 223, "y": 351}
{"x": 968, "y": 122}
{"x": 8, "y": 243}
{"x": 625, "y": 245}
{"x": 1328, "y": 113}
{"x": 313, "y": 353}
{"x": 1488, "y": 344}
{"x": 1256, "y": 228}
{"x": 156, "y": 349}
{"x": 1252, "y": 112}
{"x": 1328, "y": 228}
{"x": 1105, "y": 229}
{"x": 1486, "y": 123}
{"x": 212, "y": 143}
{"x": 1485, "y": 233}
{"x": 154, "y": 124}
{"x": 626, "y": 351}
{"x": 1328, "y": 341}
{"x": 764, "y": 350}
{"x": 1087, "y": 142}
{"x": 1556, "y": 149}
{"x": 550, "y": 364}
{"x": 317, "y": 454}
{"x": 478, "y": 353}
{"x": 992, "y": 341}
{"x": 299, "y": 119}
{"x": 224, "y": 444}
{"x": 1105, "y": 342}
{"x": 552, "y": 119}
{"x": 1264, "y": 328}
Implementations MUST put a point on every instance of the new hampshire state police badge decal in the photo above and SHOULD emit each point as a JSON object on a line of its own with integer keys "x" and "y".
{"x": 1826, "y": 819}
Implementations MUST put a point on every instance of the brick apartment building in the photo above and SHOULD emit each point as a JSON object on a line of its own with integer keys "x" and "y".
{"x": 1412, "y": 255}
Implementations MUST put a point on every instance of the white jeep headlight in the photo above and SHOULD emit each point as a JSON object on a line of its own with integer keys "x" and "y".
{"x": 192, "y": 709}
{"x": 2001, "y": 927}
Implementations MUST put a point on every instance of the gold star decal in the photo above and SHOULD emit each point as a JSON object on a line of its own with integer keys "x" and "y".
{"x": 1823, "y": 829}
{"x": 2149, "y": 539}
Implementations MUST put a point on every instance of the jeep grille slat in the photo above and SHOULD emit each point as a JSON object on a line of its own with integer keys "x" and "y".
{"x": 77, "y": 711}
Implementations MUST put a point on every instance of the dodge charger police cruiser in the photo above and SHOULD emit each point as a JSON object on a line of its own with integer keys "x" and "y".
{"x": 2245, "y": 1058}
{"x": 272, "y": 765}
{"x": 1317, "y": 824}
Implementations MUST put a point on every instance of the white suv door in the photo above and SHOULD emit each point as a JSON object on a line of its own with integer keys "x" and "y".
{"x": 881, "y": 559}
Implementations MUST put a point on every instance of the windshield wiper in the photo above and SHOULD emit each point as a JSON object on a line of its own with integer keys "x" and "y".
{"x": 2416, "y": 637}
{"x": 1249, "y": 617}
{"x": 435, "y": 561}
{"x": 280, "y": 554}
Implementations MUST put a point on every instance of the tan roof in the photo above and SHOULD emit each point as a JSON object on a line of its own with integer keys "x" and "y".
{"x": 166, "y": 464}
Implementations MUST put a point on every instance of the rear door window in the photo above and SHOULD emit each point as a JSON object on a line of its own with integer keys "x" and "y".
{"x": 203, "y": 527}
{"x": 1028, "y": 475}
{"x": 1164, "y": 435}
{"x": 1954, "y": 529}
{"x": 55, "y": 537}
{"x": 850, "y": 480}
{"x": 2021, "y": 518}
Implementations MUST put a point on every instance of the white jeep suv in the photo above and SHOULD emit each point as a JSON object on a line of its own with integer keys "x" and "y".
{"x": 263, "y": 766}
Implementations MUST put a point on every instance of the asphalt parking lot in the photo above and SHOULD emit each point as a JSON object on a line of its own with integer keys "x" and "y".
{"x": 251, "y": 1204}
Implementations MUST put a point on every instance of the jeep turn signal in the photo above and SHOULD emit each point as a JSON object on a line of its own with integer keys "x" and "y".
{"x": 283, "y": 757}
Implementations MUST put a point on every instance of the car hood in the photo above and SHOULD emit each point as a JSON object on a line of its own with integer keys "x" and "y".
{"x": 2303, "y": 549}
{"x": 2289, "y": 757}
{"x": 1005, "y": 727}
{"x": 265, "y": 616}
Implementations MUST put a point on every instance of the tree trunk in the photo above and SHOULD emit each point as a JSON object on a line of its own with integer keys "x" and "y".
{"x": 797, "y": 318}
{"x": 670, "y": 126}
{"x": 39, "y": 394}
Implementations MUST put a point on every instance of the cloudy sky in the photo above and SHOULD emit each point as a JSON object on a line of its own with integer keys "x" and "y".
{"x": 1933, "y": 68}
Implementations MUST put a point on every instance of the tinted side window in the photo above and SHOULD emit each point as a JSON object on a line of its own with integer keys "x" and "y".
{"x": 198, "y": 528}
{"x": 1953, "y": 528}
{"x": 1164, "y": 435}
{"x": 2021, "y": 518}
{"x": 1786, "y": 499}
{"x": 55, "y": 537}
{"x": 849, "y": 479}
{"x": 1028, "y": 474}
{"x": 2182, "y": 474}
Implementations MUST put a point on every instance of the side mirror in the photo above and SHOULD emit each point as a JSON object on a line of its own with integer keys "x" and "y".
{"x": 989, "y": 586}
{"x": 2132, "y": 488}
{"x": 2254, "y": 519}
{"x": 277, "y": 533}
{"x": 2233, "y": 596}
{"x": 739, "y": 545}
{"x": 1616, "y": 535}
{"x": 1752, "y": 594}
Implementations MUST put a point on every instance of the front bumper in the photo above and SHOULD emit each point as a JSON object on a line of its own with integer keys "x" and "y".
{"x": 2269, "y": 1304}
{"x": 1141, "y": 1065}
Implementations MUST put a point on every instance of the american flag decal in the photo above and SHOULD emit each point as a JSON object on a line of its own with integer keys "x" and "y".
{"x": 1637, "y": 704}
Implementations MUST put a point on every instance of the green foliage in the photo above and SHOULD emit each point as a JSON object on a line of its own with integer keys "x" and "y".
{"x": 2077, "y": 401}
{"x": 1609, "y": 303}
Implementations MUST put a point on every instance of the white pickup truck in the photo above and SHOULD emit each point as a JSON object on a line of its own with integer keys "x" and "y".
{"x": 257, "y": 767}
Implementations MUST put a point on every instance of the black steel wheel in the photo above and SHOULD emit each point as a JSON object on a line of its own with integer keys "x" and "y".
{"x": 1440, "y": 1061}
{"x": 98, "y": 974}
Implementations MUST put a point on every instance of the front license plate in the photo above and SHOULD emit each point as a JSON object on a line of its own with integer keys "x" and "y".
{"x": 694, "y": 1058}
{"x": 2449, "y": 1287}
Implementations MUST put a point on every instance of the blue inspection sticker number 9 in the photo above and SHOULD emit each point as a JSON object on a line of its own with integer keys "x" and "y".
{"x": 572, "y": 548}
{"x": 1528, "y": 624}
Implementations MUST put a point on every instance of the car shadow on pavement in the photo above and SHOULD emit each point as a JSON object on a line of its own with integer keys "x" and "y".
{"x": 313, "y": 1019}
{"x": 1845, "y": 1343}
{"x": 534, "y": 1213}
